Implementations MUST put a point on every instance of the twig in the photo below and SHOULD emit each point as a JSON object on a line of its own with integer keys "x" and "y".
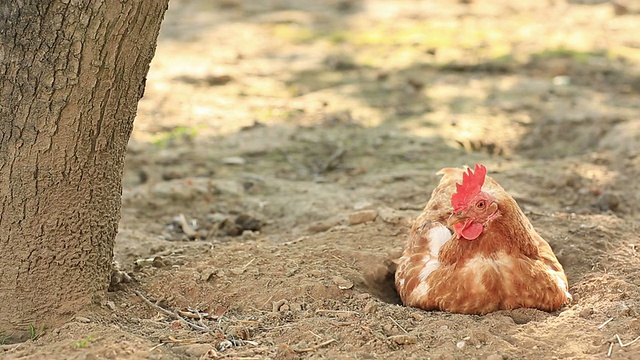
{"x": 155, "y": 347}
{"x": 266, "y": 302}
{"x": 627, "y": 344}
{"x": 186, "y": 228}
{"x": 398, "y": 325}
{"x": 247, "y": 264}
{"x": 333, "y": 160}
{"x": 610, "y": 349}
{"x": 171, "y": 339}
{"x": 341, "y": 260}
{"x": 604, "y": 323}
{"x": 327, "y": 311}
{"x": 170, "y": 313}
{"x": 316, "y": 347}
{"x": 632, "y": 341}
{"x": 10, "y": 347}
{"x": 294, "y": 241}
{"x": 191, "y": 315}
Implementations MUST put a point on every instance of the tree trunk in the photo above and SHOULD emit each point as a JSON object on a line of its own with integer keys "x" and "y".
{"x": 71, "y": 75}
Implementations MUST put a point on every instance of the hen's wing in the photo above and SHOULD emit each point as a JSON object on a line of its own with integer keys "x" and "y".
{"x": 428, "y": 234}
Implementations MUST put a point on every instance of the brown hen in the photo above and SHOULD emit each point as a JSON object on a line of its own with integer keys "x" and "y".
{"x": 492, "y": 260}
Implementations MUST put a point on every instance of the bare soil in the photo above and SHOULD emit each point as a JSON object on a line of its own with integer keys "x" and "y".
{"x": 283, "y": 148}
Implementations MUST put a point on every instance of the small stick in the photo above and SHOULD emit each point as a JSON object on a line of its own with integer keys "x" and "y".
{"x": 605, "y": 323}
{"x": 316, "y": 347}
{"x": 610, "y": 349}
{"x": 266, "y": 302}
{"x": 343, "y": 323}
{"x": 186, "y": 228}
{"x": 191, "y": 315}
{"x": 10, "y": 347}
{"x": 632, "y": 341}
{"x": 247, "y": 264}
{"x": 327, "y": 311}
{"x": 155, "y": 347}
{"x": 333, "y": 160}
{"x": 341, "y": 260}
{"x": 627, "y": 344}
{"x": 169, "y": 312}
{"x": 186, "y": 341}
{"x": 294, "y": 241}
{"x": 398, "y": 325}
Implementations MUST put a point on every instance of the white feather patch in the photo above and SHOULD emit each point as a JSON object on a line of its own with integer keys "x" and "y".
{"x": 561, "y": 283}
{"x": 420, "y": 291}
{"x": 438, "y": 235}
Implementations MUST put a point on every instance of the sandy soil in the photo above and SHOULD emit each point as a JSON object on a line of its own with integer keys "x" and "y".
{"x": 283, "y": 148}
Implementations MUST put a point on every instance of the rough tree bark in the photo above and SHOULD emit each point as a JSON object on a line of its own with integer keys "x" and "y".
{"x": 71, "y": 75}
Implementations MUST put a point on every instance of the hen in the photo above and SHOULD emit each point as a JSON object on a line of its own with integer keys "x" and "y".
{"x": 493, "y": 260}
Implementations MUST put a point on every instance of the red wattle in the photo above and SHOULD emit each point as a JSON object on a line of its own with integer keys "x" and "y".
{"x": 472, "y": 231}
{"x": 468, "y": 230}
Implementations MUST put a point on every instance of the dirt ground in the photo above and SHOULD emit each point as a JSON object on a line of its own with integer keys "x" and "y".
{"x": 283, "y": 148}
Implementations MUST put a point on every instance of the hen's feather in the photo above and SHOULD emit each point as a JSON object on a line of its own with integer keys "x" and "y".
{"x": 508, "y": 266}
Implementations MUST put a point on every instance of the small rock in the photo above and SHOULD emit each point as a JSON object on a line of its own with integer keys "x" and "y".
{"x": 371, "y": 307}
{"x": 390, "y": 216}
{"x": 495, "y": 357}
{"x": 193, "y": 350}
{"x": 363, "y": 216}
{"x": 326, "y": 224}
{"x": 361, "y": 205}
{"x": 217, "y": 80}
{"x": 234, "y": 160}
{"x": 608, "y": 201}
{"x": 158, "y": 262}
{"x": 295, "y": 307}
{"x": 83, "y": 319}
{"x": 343, "y": 284}
{"x": 248, "y": 222}
{"x": 586, "y": 312}
{"x": 277, "y": 305}
{"x": 239, "y": 331}
{"x": 285, "y": 307}
{"x": 404, "y": 339}
{"x": 111, "y": 305}
{"x": 461, "y": 344}
{"x": 207, "y": 273}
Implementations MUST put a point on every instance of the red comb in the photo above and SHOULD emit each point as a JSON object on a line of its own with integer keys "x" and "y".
{"x": 470, "y": 187}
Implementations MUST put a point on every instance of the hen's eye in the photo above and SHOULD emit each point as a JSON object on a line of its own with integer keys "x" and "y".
{"x": 480, "y": 205}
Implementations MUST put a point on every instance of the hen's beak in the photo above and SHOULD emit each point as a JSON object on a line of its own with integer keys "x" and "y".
{"x": 456, "y": 218}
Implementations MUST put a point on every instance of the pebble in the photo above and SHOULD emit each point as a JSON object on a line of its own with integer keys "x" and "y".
{"x": 608, "y": 201}
{"x": 83, "y": 319}
{"x": 461, "y": 344}
{"x": 371, "y": 307}
{"x": 111, "y": 305}
{"x": 193, "y": 350}
{"x": 586, "y": 312}
{"x": 404, "y": 339}
{"x": 390, "y": 216}
{"x": 234, "y": 160}
{"x": 343, "y": 284}
{"x": 363, "y": 216}
{"x": 277, "y": 305}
